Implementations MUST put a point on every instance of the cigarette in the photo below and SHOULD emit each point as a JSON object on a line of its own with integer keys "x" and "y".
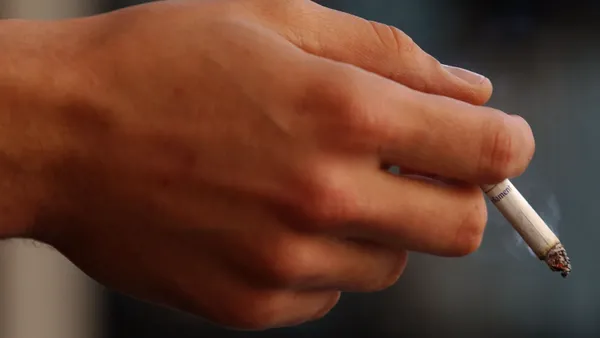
{"x": 532, "y": 228}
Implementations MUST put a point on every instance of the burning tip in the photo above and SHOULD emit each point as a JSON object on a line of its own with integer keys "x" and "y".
{"x": 558, "y": 260}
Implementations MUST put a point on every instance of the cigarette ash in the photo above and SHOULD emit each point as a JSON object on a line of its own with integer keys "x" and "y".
{"x": 546, "y": 204}
{"x": 558, "y": 260}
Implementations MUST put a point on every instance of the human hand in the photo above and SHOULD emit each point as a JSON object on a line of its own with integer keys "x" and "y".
{"x": 226, "y": 157}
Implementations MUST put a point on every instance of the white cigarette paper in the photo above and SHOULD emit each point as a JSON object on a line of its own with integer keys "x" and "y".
{"x": 532, "y": 228}
{"x": 522, "y": 216}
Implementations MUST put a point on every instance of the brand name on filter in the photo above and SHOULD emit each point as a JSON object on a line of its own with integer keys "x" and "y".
{"x": 501, "y": 195}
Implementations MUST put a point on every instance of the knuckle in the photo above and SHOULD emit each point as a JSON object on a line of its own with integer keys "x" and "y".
{"x": 332, "y": 302}
{"x": 390, "y": 277}
{"x": 404, "y": 43}
{"x": 393, "y": 38}
{"x": 397, "y": 271}
{"x": 288, "y": 263}
{"x": 499, "y": 153}
{"x": 281, "y": 7}
{"x": 258, "y": 311}
{"x": 469, "y": 232}
{"x": 334, "y": 98}
{"x": 249, "y": 310}
{"x": 327, "y": 199}
{"x": 254, "y": 313}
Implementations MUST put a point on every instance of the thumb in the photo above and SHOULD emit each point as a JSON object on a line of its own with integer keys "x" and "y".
{"x": 383, "y": 50}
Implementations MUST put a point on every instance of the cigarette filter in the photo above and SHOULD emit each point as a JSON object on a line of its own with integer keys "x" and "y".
{"x": 532, "y": 228}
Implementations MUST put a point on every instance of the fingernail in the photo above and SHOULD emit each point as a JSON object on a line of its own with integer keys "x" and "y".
{"x": 466, "y": 75}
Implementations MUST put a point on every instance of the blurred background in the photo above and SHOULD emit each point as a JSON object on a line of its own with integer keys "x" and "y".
{"x": 542, "y": 57}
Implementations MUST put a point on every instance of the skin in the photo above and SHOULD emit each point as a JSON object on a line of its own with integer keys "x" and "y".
{"x": 225, "y": 157}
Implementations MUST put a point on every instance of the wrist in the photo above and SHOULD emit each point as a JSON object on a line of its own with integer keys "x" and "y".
{"x": 37, "y": 90}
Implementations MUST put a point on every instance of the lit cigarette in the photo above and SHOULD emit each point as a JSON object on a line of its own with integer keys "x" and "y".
{"x": 535, "y": 232}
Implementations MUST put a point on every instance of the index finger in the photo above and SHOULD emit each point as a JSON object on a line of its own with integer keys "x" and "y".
{"x": 453, "y": 139}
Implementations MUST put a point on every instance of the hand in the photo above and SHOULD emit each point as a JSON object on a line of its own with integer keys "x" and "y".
{"x": 226, "y": 157}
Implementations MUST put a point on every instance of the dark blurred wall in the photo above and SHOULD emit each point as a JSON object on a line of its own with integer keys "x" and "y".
{"x": 542, "y": 57}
